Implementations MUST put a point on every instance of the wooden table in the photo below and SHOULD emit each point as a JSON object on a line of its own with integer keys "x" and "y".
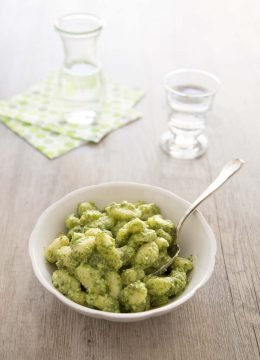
{"x": 142, "y": 41}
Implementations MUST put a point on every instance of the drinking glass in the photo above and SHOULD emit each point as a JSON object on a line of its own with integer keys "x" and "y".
{"x": 189, "y": 94}
{"x": 81, "y": 85}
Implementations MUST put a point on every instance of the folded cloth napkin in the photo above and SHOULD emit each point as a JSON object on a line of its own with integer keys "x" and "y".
{"x": 36, "y": 116}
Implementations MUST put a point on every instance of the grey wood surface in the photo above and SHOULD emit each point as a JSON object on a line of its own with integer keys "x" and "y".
{"x": 142, "y": 41}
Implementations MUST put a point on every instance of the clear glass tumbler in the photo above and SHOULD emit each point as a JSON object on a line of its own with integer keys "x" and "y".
{"x": 190, "y": 94}
{"x": 81, "y": 84}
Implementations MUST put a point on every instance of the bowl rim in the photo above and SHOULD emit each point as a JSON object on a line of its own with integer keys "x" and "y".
{"x": 120, "y": 316}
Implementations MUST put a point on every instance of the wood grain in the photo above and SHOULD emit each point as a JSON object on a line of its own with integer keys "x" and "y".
{"x": 142, "y": 41}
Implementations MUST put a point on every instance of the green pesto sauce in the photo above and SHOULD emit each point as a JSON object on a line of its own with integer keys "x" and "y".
{"x": 104, "y": 258}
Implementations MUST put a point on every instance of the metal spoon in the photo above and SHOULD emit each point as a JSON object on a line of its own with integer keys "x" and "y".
{"x": 228, "y": 170}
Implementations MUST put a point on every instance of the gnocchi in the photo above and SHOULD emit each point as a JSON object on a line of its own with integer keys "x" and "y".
{"x": 105, "y": 258}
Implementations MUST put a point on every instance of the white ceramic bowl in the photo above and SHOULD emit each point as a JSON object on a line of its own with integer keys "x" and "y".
{"x": 197, "y": 239}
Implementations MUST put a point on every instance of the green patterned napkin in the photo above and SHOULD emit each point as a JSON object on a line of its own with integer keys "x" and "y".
{"x": 48, "y": 143}
{"x": 36, "y": 116}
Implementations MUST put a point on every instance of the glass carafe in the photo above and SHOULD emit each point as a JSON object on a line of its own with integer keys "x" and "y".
{"x": 81, "y": 85}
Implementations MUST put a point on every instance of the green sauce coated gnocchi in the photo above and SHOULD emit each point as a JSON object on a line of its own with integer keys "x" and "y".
{"x": 105, "y": 258}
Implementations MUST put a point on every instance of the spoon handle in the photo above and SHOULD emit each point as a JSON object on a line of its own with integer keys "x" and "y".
{"x": 228, "y": 170}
